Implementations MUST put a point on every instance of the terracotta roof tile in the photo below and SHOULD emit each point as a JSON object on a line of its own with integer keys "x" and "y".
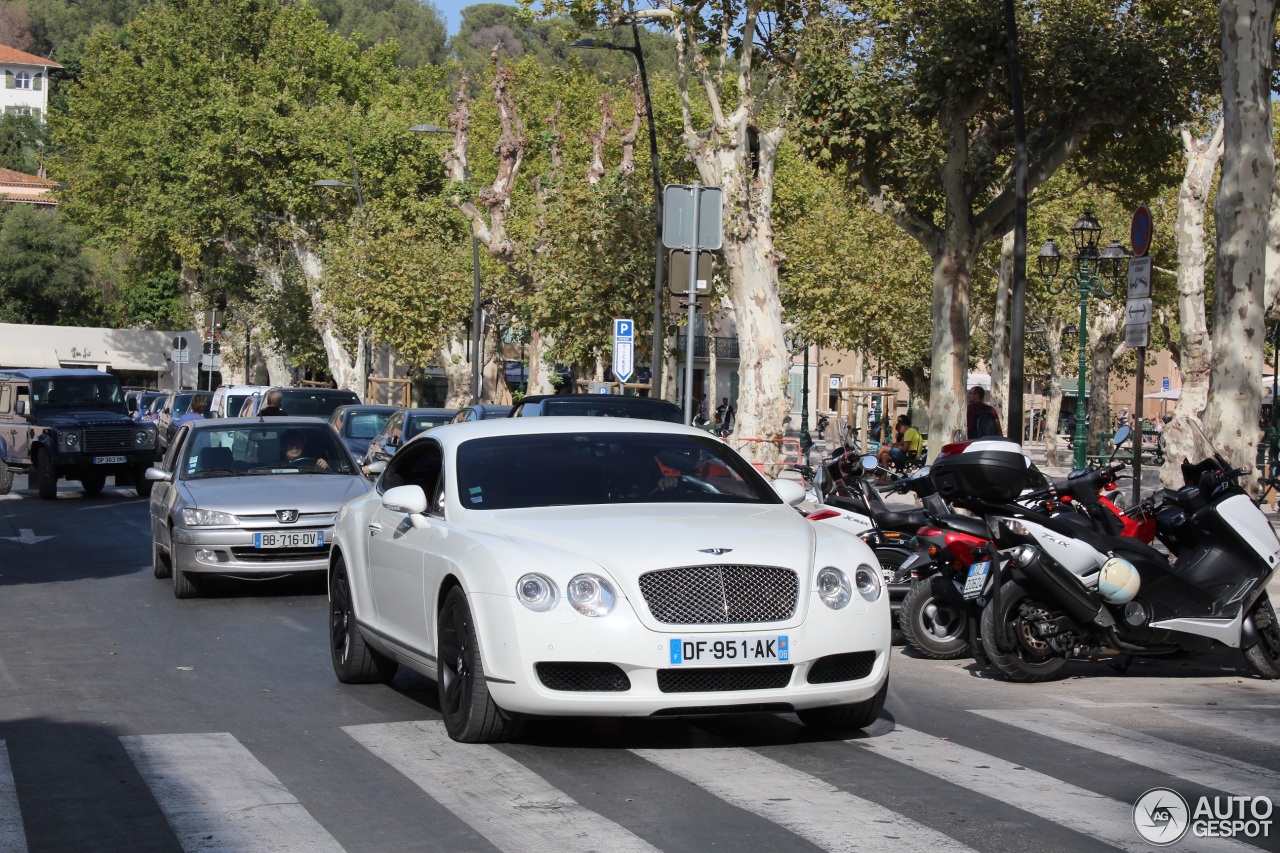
{"x": 9, "y": 176}
{"x": 14, "y": 56}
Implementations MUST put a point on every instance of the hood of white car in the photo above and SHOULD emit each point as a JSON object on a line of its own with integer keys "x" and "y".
{"x": 629, "y": 540}
{"x": 264, "y": 494}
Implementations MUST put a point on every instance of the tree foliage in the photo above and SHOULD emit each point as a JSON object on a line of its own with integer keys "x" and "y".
{"x": 45, "y": 277}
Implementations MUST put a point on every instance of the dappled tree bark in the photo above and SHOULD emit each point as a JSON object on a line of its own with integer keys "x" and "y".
{"x": 999, "y": 363}
{"x": 1106, "y": 342}
{"x": 1052, "y": 444}
{"x": 348, "y": 371}
{"x": 1241, "y": 213}
{"x": 1196, "y": 348}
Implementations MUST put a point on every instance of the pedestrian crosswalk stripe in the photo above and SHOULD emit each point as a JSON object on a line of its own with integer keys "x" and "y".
{"x": 218, "y": 797}
{"x": 514, "y": 808}
{"x": 1186, "y": 762}
{"x": 1253, "y": 725}
{"x": 13, "y": 838}
{"x": 811, "y": 808}
{"x": 1077, "y": 809}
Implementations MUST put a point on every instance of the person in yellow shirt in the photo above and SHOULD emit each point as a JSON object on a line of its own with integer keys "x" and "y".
{"x": 906, "y": 447}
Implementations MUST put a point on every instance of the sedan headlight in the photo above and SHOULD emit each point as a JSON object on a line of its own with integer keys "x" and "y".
{"x": 834, "y": 588}
{"x": 591, "y": 595}
{"x": 868, "y": 582}
{"x": 145, "y": 438}
{"x": 536, "y": 592}
{"x": 207, "y": 518}
{"x": 70, "y": 440}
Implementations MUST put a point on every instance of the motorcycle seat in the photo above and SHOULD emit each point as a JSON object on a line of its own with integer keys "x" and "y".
{"x": 908, "y": 522}
{"x": 964, "y": 524}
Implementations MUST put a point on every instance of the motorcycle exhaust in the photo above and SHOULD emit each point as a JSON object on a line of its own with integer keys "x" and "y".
{"x": 1062, "y": 586}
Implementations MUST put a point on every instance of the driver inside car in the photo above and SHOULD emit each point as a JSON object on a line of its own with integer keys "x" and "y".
{"x": 293, "y": 445}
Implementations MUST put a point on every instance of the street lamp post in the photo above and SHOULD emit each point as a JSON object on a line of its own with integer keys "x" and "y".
{"x": 1094, "y": 273}
{"x": 655, "y": 380}
{"x": 475, "y": 285}
{"x": 804, "y": 400}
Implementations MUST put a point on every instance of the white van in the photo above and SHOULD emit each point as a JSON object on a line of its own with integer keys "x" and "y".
{"x": 228, "y": 399}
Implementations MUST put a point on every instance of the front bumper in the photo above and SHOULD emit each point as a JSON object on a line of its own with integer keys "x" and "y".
{"x": 231, "y": 551}
{"x": 65, "y": 462}
{"x": 515, "y": 640}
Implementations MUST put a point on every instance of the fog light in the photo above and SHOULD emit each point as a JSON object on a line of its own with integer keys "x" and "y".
{"x": 204, "y": 555}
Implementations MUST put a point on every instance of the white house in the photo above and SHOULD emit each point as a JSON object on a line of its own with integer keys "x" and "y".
{"x": 26, "y": 82}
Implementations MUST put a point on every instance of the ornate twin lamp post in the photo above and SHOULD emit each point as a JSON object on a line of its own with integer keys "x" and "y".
{"x": 1093, "y": 273}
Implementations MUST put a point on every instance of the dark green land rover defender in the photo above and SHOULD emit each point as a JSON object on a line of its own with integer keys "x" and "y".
{"x": 70, "y": 424}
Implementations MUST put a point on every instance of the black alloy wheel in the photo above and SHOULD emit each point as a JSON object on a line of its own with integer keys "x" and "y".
{"x": 1264, "y": 658}
{"x": 1031, "y": 659}
{"x": 354, "y": 662}
{"x": 470, "y": 714}
{"x": 933, "y": 619}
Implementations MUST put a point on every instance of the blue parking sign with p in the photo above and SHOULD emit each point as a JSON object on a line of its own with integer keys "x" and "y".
{"x": 624, "y": 333}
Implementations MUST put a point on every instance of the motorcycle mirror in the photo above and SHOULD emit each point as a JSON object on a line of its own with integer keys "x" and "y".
{"x": 870, "y": 463}
{"x": 821, "y": 483}
{"x": 1121, "y": 436}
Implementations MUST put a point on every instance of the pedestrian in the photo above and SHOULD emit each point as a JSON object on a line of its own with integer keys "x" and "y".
{"x": 982, "y": 420}
{"x": 274, "y": 407}
{"x": 199, "y": 403}
{"x": 724, "y": 416}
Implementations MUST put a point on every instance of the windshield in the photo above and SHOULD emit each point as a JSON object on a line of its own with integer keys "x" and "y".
{"x": 77, "y": 391}
{"x": 655, "y": 410}
{"x": 422, "y": 423}
{"x": 181, "y": 402}
{"x": 315, "y": 403}
{"x": 593, "y": 468}
{"x": 252, "y": 450}
{"x": 365, "y": 424}
{"x": 234, "y": 402}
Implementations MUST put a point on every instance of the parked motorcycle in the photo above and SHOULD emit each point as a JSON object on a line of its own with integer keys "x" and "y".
{"x": 1057, "y": 591}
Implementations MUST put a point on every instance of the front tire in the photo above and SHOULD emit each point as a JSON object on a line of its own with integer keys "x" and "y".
{"x": 1264, "y": 658}
{"x": 1031, "y": 660}
{"x": 859, "y": 715}
{"x": 933, "y": 619}
{"x": 184, "y": 585}
{"x": 354, "y": 661}
{"x": 140, "y": 482}
{"x": 470, "y": 714}
{"x": 6, "y": 478}
{"x": 46, "y": 477}
{"x": 159, "y": 562}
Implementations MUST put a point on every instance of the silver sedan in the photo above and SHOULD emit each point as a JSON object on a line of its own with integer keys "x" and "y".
{"x": 249, "y": 499}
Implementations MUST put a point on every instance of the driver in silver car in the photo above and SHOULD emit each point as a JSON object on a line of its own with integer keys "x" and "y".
{"x": 293, "y": 444}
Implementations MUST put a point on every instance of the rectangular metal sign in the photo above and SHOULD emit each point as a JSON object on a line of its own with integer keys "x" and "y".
{"x": 677, "y": 217}
{"x": 1138, "y": 335}
{"x": 624, "y": 335}
{"x": 1140, "y": 277}
{"x": 181, "y": 356}
{"x": 1138, "y": 311}
{"x": 678, "y": 271}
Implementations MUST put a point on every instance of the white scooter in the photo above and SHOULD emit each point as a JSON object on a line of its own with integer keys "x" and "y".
{"x": 1061, "y": 591}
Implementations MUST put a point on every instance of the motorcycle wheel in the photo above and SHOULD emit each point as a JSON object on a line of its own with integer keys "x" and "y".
{"x": 933, "y": 620}
{"x": 1030, "y": 660}
{"x": 891, "y": 559}
{"x": 1264, "y": 658}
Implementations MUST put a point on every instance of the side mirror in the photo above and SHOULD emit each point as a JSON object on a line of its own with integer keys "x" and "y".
{"x": 20, "y": 407}
{"x": 821, "y": 483}
{"x": 158, "y": 475}
{"x": 392, "y": 441}
{"x": 407, "y": 499}
{"x": 133, "y": 404}
{"x": 870, "y": 463}
{"x": 377, "y": 467}
{"x": 1121, "y": 436}
{"x": 789, "y": 490}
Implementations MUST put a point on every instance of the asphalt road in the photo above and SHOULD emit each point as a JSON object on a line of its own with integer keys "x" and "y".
{"x": 131, "y": 721}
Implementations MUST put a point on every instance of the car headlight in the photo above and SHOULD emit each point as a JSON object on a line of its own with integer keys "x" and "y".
{"x": 591, "y": 595}
{"x": 144, "y": 437}
{"x": 207, "y": 518}
{"x": 868, "y": 582}
{"x": 536, "y": 592}
{"x": 834, "y": 588}
{"x": 70, "y": 440}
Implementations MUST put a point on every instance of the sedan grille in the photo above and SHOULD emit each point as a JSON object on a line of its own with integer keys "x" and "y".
{"x": 720, "y": 595}
{"x": 278, "y": 555}
{"x": 850, "y": 666}
{"x": 98, "y": 440}
{"x": 584, "y": 677}
{"x": 724, "y": 678}
{"x": 270, "y": 520}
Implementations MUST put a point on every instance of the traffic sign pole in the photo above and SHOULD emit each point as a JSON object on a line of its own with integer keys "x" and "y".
{"x": 693, "y": 307}
{"x": 1140, "y": 231}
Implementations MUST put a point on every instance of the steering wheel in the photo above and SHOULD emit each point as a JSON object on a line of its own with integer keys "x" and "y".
{"x": 685, "y": 483}
{"x": 303, "y": 462}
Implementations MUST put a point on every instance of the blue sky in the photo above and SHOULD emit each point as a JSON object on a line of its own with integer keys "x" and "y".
{"x": 452, "y": 10}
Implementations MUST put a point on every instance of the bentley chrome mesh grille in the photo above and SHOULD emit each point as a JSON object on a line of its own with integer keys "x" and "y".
{"x": 720, "y": 595}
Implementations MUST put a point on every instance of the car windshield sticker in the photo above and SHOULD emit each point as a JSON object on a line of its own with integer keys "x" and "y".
{"x": 476, "y": 496}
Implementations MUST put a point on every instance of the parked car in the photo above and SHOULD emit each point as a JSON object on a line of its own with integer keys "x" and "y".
{"x": 598, "y": 405}
{"x": 481, "y": 413}
{"x": 358, "y": 425}
{"x": 70, "y": 424}
{"x": 503, "y": 559}
{"x": 229, "y": 399}
{"x": 302, "y": 402}
{"x": 140, "y": 403}
{"x": 232, "y": 497}
{"x": 175, "y": 405}
{"x": 403, "y": 426}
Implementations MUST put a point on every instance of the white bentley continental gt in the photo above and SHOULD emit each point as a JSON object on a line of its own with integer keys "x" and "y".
{"x": 602, "y": 567}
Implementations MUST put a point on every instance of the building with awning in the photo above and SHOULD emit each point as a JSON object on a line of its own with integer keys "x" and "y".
{"x": 140, "y": 357}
